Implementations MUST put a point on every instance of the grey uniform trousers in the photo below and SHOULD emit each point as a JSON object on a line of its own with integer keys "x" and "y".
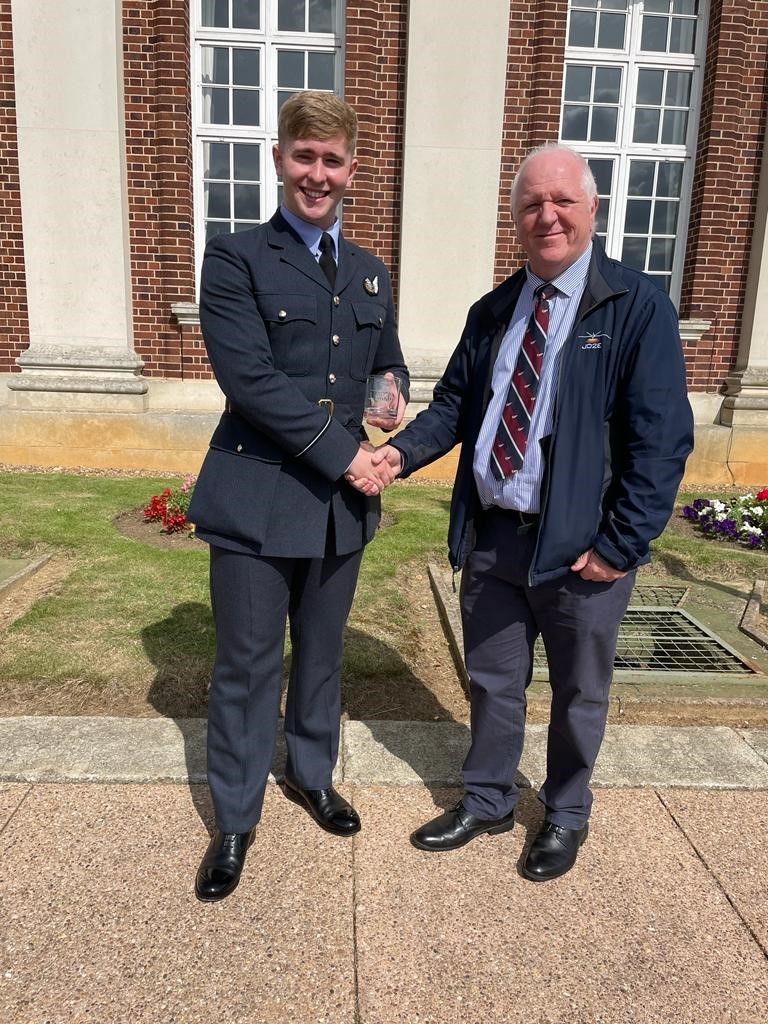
{"x": 502, "y": 616}
{"x": 251, "y": 598}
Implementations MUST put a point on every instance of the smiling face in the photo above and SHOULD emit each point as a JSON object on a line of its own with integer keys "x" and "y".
{"x": 315, "y": 173}
{"x": 553, "y": 213}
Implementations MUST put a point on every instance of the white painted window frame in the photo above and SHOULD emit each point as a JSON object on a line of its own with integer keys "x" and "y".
{"x": 269, "y": 41}
{"x": 632, "y": 59}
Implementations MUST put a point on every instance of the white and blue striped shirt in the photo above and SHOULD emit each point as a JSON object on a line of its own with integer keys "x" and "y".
{"x": 521, "y": 490}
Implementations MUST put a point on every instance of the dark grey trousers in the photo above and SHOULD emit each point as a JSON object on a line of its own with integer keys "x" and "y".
{"x": 251, "y": 598}
{"x": 502, "y": 615}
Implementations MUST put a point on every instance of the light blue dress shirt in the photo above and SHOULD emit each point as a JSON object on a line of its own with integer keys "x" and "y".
{"x": 521, "y": 490}
{"x": 311, "y": 234}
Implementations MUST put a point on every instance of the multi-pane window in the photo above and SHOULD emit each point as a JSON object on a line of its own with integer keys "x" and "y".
{"x": 630, "y": 104}
{"x": 249, "y": 57}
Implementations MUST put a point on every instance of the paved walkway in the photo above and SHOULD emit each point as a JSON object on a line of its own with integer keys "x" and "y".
{"x": 663, "y": 919}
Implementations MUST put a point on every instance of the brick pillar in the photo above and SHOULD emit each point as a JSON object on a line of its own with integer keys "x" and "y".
{"x": 14, "y": 325}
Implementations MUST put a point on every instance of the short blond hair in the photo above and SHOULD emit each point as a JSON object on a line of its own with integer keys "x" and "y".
{"x": 317, "y": 115}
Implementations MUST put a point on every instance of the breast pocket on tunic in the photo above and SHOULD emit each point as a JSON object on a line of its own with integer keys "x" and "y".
{"x": 369, "y": 320}
{"x": 291, "y": 321}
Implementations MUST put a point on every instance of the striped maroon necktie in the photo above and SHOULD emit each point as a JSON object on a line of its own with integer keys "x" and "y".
{"x": 512, "y": 436}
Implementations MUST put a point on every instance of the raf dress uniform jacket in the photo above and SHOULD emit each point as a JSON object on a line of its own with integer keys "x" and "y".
{"x": 291, "y": 355}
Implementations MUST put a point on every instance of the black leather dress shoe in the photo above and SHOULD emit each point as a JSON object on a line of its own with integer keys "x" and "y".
{"x": 458, "y": 827}
{"x": 553, "y": 851}
{"x": 329, "y": 809}
{"x": 222, "y": 865}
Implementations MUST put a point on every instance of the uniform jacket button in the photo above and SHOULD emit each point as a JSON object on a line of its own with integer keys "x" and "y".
{"x": 336, "y": 339}
{"x": 282, "y": 314}
{"x": 332, "y": 378}
{"x": 336, "y": 300}
{"x": 239, "y": 448}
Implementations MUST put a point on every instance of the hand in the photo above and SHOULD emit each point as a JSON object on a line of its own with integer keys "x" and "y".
{"x": 388, "y": 423}
{"x": 386, "y": 453}
{"x": 590, "y": 566}
{"x": 367, "y": 477}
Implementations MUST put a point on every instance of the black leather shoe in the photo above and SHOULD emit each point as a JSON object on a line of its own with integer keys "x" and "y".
{"x": 458, "y": 827}
{"x": 553, "y": 851}
{"x": 222, "y": 865}
{"x": 329, "y": 809}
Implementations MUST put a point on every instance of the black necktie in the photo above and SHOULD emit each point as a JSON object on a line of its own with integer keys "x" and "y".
{"x": 326, "y": 261}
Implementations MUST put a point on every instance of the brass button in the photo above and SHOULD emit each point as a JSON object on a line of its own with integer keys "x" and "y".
{"x": 282, "y": 314}
{"x": 336, "y": 339}
{"x": 336, "y": 300}
{"x": 239, "y": 448}
{"x": 332, "y": 378}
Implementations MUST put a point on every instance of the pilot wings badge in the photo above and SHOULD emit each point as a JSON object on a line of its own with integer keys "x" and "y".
{"x": 371, "y": 286}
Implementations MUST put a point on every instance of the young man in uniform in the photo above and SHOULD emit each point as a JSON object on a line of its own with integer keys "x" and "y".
{"x": 294, "y": 319}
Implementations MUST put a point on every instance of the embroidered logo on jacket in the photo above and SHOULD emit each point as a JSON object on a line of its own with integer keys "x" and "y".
{"x": 592, "y": 341}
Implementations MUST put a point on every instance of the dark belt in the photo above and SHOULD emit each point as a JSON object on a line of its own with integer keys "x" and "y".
{"x": 325, "y": 403}
{"x": 523, "y": 521}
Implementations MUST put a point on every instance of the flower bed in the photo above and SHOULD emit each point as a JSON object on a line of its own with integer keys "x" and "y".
{"x": 171, "y": 507}
{"x": 742, "y": 520}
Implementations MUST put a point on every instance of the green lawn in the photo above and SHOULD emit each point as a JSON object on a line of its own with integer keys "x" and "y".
{"x": 130, "y": 626}
{"x": 128, "y": 630}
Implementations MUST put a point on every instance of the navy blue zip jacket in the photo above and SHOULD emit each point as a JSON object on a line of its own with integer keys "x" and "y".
{"x": 622, "y": 426}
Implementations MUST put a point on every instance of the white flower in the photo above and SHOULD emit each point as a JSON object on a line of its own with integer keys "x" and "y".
{"x": 721, "y": 516}
{"x": 719, "y": 506}
{"x": 756, "y": 511}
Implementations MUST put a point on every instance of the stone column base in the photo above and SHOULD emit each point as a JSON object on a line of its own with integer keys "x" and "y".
{"x": 65, "y": 376}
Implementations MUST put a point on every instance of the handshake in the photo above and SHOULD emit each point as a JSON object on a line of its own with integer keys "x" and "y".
{"x": 373, "y": 469}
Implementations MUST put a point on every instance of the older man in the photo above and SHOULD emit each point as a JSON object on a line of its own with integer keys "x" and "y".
{"x": 567, "y": 392}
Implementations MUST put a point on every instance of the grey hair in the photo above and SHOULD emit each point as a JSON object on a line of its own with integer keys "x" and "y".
{"x": 587, "y": 179}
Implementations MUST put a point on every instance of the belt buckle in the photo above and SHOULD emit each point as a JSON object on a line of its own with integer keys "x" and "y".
{"x": 525, "y": 524}
{"x": 326, "y": 403}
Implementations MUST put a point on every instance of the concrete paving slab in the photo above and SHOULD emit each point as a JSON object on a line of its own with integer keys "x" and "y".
{"x": 712, "y": 757}
{"x": 15, "y": 571}
{"x": 638, "y": 931}
{"x": 98, "y": 749}
{"x": 404, "y": 753}
{"x": 729, "y": 832}
{"x": 86, "y": 749}
{"x": 758, "y": 740}
{"x": 408, "y": 753}
{"x": 10, "y": 798}
{"x": 100, "y": 922}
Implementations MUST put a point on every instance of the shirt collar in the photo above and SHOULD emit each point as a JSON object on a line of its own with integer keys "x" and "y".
{"x": 310, "y": 234}
{"x": 570, "y": 279}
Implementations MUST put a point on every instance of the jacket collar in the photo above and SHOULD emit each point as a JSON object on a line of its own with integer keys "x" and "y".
{"x": 280, "y": 235}
{"x": 604, "y": 281}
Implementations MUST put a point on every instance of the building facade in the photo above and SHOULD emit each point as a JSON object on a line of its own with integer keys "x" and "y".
{"x": 131, "y": 132}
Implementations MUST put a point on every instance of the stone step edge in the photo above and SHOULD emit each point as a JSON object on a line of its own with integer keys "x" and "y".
{"x": 39, "y": 749}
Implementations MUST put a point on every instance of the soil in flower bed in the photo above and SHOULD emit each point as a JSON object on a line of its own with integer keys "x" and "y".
{"x": 133, "y": 525}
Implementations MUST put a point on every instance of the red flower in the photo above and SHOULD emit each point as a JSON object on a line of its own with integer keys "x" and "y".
{"x": 762, "y": 495}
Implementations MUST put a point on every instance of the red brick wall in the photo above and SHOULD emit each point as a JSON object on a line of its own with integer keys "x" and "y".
{"x": 725, "y": 184}
{"x": 376, "y": 38}
{"x": 14, "y": 325}
{"x": 531, "y": 106}
{"x": 160, "y": 199}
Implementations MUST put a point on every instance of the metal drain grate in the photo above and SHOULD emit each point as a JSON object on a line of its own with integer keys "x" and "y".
{"x": 664, "y": 596}
{"x": 667, "y": 640}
